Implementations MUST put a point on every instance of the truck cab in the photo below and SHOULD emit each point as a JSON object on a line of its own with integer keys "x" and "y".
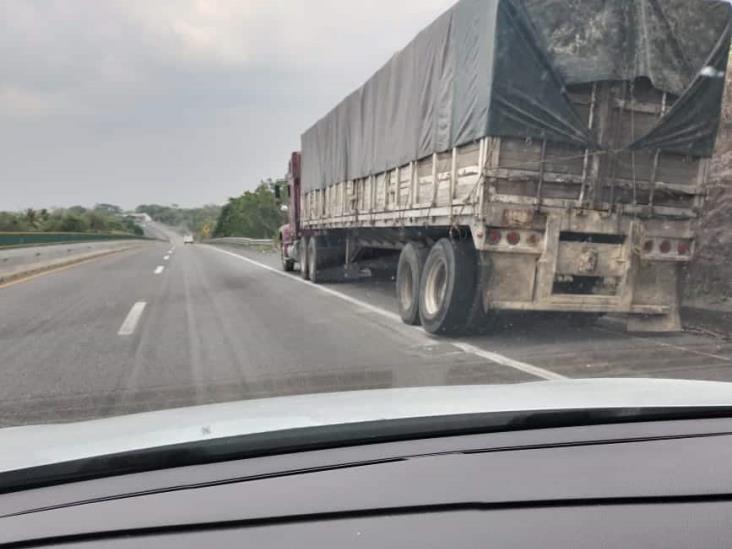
{"x": 289, "y": 234}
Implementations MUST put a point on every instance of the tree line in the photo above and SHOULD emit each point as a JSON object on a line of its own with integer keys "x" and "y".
{"x": 102, "y": 218}
{"x": 254, "y": 214}
{"x": 198, "y": 221}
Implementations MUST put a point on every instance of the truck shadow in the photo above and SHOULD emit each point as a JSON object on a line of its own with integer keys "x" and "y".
{"x": 549, "y": 327}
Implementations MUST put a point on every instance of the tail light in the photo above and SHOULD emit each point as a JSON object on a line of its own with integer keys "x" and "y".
{"x": 524, "y": 240}
{"x": 513, "y": 238}
{"x": 675, "y": 248}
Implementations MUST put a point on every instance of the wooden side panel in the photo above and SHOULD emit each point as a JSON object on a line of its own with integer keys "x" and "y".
{"x": 439, "y": 187}
{"x": 405, "y": 181}
{"x": 448, "y": 188}
{"x": 468, "y": 172}
{"x": 444, "y": 165}
{"x": 520, "y": 154}
{"x": 425, "y": 183}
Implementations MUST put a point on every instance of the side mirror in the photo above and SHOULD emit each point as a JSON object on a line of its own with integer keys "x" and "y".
{"x": 284, "y": 208}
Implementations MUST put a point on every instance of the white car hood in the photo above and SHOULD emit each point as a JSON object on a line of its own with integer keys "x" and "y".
{"x": 36, "y": 445}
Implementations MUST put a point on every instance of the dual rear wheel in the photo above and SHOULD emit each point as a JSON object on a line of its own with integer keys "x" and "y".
{"x": 313, "y": 259}
{"x": 409, "y": 276}
{"x": 304, "y": 264}
{"x": 320, "y": 258}
{"x": 439, "y": 288}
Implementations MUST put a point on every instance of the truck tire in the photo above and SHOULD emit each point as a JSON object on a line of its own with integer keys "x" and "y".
{"x": 409, "y": 275}
{"x": 304, "y": 244}
{"x": 477, "y": 321}
{"x": 447, "y": 287}
{"x": 313, "y": 261}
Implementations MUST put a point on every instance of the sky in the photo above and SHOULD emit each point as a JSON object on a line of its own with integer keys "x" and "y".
{"x": 176, "y": 101}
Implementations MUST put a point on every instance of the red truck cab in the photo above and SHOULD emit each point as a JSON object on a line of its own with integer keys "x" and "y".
{"x": 289, "y": 234}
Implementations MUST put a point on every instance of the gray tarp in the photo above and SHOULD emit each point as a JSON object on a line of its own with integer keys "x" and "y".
{"x": 500, "y": 67}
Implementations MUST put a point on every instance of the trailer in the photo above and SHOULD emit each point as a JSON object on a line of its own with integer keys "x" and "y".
{"x": 521, "y": 155}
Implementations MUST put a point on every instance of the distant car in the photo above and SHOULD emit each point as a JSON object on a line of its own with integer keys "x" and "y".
{"x": 187, "y": 239}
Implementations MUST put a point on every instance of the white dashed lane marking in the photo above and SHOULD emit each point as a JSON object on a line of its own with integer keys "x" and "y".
{"x": 133, "y": 317}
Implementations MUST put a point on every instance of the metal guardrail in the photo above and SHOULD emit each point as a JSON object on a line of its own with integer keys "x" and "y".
{"x": 17, "y": 261}
{"x": 17, "y": 240}
{"x": 241, "y": 241}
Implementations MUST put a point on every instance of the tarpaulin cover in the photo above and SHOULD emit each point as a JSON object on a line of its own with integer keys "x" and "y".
{"x": 501, "y": 67}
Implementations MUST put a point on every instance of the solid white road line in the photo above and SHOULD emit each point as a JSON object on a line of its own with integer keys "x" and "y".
{"x": 133, "y": 317}
{"x": 166, "y": 258}
{"x": 159, "y": 270}
{"x": 507, "y": 361}
{"x": 463, "y": 346}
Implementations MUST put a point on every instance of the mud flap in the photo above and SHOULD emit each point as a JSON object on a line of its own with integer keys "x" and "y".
{"x": 657, "y": 284}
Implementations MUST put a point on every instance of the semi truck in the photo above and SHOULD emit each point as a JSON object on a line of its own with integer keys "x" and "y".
{"x": 521, "y": 155}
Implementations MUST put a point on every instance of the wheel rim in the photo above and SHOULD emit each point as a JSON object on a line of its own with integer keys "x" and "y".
{"x": 435, "y": 288}
{"x": 406, "y": 290}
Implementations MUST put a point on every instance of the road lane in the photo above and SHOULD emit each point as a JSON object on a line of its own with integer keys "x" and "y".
{"x": 217, "y": 328}
{"x": 394, "y": 318}
{"x": 213, "y": 329}
{"x": 244, "y": 333}
{"x": 58, "y": 333}
{"x": 603, "y": 350}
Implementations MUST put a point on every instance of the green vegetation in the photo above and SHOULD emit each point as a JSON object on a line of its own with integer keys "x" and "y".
{"x": 254, "y": 214}
{"x": 199, "y": 221}
{"x": 103, "y": 218}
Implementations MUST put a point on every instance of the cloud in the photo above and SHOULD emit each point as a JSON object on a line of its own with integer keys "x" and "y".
{"x": 185, "y": 101}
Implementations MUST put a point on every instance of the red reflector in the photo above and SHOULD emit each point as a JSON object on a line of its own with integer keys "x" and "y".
{"x": 533, "y": 239}
{"x": 665, "y": 247}
{"x": 648, "y": 246}
{"x": 494, "y": 236}
{"x": 513, "y": 238}
{"x": 683, "y": 248}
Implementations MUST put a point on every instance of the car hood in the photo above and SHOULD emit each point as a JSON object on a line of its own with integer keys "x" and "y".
{"x": 36, "y": 445}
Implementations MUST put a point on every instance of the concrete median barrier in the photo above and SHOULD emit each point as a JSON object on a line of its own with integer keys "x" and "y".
{"x": 18, "y": 263}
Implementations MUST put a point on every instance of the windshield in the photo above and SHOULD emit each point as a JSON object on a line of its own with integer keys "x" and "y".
{"x": 209, "y": 202}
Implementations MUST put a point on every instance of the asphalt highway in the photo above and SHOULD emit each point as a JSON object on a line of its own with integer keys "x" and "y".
{"x": 167, "y": 325}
